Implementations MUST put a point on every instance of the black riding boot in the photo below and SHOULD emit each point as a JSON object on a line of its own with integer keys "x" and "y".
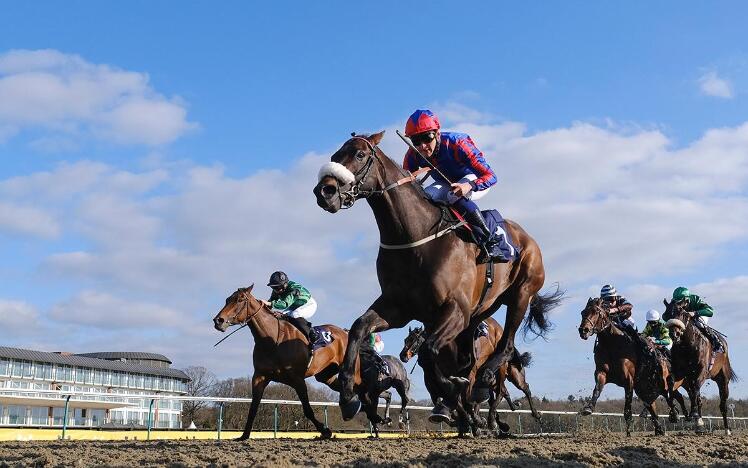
{"x": 711, "y": 336}
{"x": 490, "y": 250}
{"x": 306, "y": 328}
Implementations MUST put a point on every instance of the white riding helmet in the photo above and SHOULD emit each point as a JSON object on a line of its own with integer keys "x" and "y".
{"x": 652, "y": 315}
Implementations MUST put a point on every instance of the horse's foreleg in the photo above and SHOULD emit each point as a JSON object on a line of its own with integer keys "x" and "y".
{"x": 301, "y": 391}
{"x": 402, "y": 389}
{"x": 515, "y": 312}
{"x": 600, "y": 379}
{"x": 369, "y": 322}
{"x": 259, "y": 382}
{"x": 677, "y": 396}
{"x": 453, "y": 322}
{"x": 627, "y": 416}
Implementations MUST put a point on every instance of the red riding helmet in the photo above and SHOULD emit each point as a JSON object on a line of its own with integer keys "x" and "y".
{"x": 421, "y": 121}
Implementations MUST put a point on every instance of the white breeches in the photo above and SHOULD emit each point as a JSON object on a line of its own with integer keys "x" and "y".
{"x": 305, "y": 311}
{"x": 442, "y": 192}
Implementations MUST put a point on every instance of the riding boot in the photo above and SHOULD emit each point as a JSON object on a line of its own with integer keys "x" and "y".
{"x": 490, "y": 250}
{"x": 306, "y": 328}
{"x": 711, "y": 336}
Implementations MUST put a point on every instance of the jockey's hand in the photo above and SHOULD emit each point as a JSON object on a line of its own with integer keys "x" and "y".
{"x": 692, "y": 314}
{"x": 461, "y": 189}
{"x": 267, "y": 303}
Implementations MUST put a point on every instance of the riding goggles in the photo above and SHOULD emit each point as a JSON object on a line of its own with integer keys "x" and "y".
{"x": 421, "y": 138}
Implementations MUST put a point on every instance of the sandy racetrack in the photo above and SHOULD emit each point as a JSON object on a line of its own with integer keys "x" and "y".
{"x": 600, "y": 449}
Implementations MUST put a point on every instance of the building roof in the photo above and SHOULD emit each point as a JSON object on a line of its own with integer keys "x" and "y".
{"x": 117, "y": 355}
{"x": 95, "y": 363}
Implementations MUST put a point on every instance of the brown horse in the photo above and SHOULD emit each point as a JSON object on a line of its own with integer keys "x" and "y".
{"x": 619, "y": 360}
{"x": 281, "y": 354}
{"x": 426, "y": 272}
{"x": 484, "y": 346}
{"x": 692, "y": 353}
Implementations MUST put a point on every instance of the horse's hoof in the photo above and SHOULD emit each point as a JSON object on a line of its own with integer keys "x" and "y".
{"x": 503, "y": 427}
{"x": 700, "y": 422}
{"x": 241, "y": 438}
{"x": 387, "y": 420}
{"x": 481, "y": 394}
{"x": 586, "y": 411}
{"x": 350, "y": 409}
{"x": 673, "y": 418}
{"x": 659, "y": 432}
{"x": 728, "y": 432}
{"x": 325, "y": 433}
{"x": 440, "y": 414}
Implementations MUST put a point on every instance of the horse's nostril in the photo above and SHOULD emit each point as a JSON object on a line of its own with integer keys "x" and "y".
{"x": 329, "y": 190}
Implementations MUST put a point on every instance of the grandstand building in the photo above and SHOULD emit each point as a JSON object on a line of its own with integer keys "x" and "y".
{"x": 109, "y": 378}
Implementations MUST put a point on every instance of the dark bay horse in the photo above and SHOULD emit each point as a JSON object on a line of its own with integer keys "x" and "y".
{"x": 281, "y": 354}
{"x": 619, "y": 360}
{"x": 375, "y": 385}
{"x": 426, "y": 271}
{"x": 514, "y": 370}
{"x": 692, "y": 353}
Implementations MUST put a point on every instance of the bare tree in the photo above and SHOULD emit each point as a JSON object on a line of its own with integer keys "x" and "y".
{"x": 202, "y": 381}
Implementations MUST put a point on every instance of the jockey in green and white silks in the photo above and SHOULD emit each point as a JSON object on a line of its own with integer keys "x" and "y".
{"x": 701, "y": 312}
{"x": 294, "y": 301}
{"x": 657, "y": 330}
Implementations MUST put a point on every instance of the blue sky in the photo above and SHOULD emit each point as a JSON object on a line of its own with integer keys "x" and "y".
{"x": 144, "y": 143}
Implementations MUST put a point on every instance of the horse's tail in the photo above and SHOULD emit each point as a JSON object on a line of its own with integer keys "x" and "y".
{"x": 522, "y": 360}
{"x": 537, "y": 321}
{"x": 731, "y": 375}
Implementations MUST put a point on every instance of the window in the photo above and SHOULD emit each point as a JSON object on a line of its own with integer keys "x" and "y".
{"x": 64, "y": 373}
{"x": 4, "y": 367}
{"x": 78, "y": 375}
{"x": 163, "y": 420}
{"x": 39, "y": 415}
{"x": 123, "y": 379}
{"x": 16, "y": 414}
{"x": 15, "y": 368}
{"x": 57, "y": 413}
{"x": 98, "y": 377}
{"x": 42, "y": 371}
{"x": 97, "y": 417}
{"x": 138, "y": 381}
{"x": 148, "y": 382}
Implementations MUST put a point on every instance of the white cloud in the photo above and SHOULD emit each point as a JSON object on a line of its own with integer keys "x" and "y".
{"x": 26, "y": 220}
{"x": 73, "y": 98}
{"x": 713, "y": 85}
{"x": 101, "y": 310}
{"x": 17, "y": 316}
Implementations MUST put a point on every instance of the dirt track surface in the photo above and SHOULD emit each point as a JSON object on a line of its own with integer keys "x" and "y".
{"x": 593, "y": 450}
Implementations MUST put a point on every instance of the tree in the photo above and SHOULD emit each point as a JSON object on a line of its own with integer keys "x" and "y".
{"x": 201, "y": 384}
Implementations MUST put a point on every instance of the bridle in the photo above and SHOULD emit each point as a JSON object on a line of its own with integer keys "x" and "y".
{"x": 245, "y": 298}
{"x": 357, "y": 189}
{"x": 593, "y": 328}
{"x": 417, "y": 342}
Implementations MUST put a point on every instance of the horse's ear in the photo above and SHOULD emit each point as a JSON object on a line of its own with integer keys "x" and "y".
{"x": 664, "y": 301}
{"x": 375, "y": 138}
{"x": 249, "y": 289}
{"x": 410, "y": 329}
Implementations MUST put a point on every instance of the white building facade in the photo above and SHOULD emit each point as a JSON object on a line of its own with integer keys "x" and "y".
{"x": 111, "y": 379}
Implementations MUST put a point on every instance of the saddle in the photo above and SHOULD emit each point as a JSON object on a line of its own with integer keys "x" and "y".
{"x": 496, "y": 223}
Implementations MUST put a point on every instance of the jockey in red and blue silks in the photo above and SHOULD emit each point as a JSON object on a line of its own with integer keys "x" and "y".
{"x": 457, "y": 157}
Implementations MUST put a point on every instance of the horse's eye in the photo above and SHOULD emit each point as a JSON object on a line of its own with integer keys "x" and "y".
{"x": 360, "y": 155}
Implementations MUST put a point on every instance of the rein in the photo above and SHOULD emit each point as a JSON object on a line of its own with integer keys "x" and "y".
{"x": 245, "y": 323}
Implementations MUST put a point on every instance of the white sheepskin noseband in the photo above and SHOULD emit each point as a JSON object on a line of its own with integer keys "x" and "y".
{"x": 676, "y": 323}
{"x": 336, "y": 170}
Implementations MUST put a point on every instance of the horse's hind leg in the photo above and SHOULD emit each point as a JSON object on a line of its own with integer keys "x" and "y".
{"x": 678, "y": 396}
{"x": 652, "y": 408}
{"x": 301, "y": 390}
{"x": 627, "y": 416}
{"x": 387, "y": 397}
{"x": 724, "y": 393}
{"x": 402, "y": 389}
{"x": 517, "y": 377}
{"x": 259, "y": 382}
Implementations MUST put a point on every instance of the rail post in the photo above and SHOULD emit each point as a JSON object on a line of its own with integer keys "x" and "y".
{"x": 150, "y": 418}
{"x": 65, "y": 416}
{"x": 519, "y": 422}
{"x": 275, "y": 421}
{"x": 220, "y": 419}
{"x": 325, "y": 411}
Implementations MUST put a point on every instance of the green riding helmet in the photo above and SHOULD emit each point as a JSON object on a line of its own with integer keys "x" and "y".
{"x": 681, "y": 293}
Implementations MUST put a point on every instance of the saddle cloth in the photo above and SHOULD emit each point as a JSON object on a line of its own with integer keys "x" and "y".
{"x": 496, "y": 223}
{"x": 482, "y": 330}
{"x": 324, "y": 337}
